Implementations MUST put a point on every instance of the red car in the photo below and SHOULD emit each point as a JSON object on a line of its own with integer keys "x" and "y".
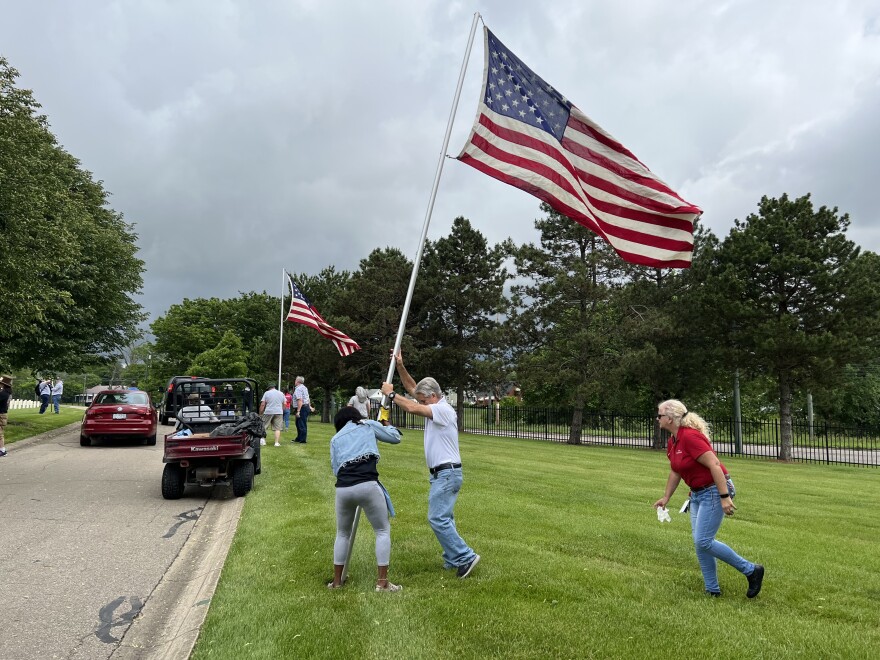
{"x": 120, "y": 413}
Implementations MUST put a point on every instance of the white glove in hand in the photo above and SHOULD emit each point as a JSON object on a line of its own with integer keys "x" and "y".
{"x": 663, "y": 515}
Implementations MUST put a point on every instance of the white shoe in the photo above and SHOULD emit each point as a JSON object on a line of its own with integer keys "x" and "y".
{"x": 277, "y": 444}
{"x": 262, "y": 442}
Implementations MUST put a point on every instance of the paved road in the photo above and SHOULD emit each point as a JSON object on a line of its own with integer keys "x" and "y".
{"x": 85, "y": 542}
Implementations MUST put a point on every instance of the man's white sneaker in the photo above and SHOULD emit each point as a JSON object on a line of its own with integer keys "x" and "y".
{"x": 262, "y": 442}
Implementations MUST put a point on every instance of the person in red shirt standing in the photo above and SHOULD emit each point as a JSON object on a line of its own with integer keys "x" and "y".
{"x": 692, "y": 459}
{"x": 288, "y": 402}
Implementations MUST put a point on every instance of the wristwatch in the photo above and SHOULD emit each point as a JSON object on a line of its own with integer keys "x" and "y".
{"x": 391, "y": 396}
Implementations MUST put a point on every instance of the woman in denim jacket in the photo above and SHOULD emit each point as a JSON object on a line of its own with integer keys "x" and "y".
{"x": 353, "y": 457}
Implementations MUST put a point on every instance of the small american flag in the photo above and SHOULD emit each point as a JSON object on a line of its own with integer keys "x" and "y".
{"x": 530, "y": 136}
{"x": 302, "y": 311}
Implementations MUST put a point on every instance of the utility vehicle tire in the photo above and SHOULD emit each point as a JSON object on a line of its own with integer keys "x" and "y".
{"x": 173, "y": 481}
{"x": 151, "y": 441}
{"x": 84, "y": 441}
{"x": 242, "y": 478}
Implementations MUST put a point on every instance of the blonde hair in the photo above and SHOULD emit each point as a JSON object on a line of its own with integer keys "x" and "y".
{"x": 691, "y": 420}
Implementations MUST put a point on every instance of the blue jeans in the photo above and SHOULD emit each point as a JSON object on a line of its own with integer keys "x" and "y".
{"x": 287, "y": 418}
{"x": 706, "y": 517}
{"x": 56, "y": 399}
{"x": 301, "y": 424}
{"x": 441, "y": 502}
{"x": 44, "y": 403}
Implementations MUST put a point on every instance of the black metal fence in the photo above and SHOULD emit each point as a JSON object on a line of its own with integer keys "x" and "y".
{"x": 820, "y": 442}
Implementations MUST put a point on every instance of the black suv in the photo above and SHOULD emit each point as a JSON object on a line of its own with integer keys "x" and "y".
{"x": 175, "y": 397}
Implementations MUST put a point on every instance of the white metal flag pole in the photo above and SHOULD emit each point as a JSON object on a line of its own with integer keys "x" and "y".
{"x": 281, "y": 328}
{"x": 415, "y": 271}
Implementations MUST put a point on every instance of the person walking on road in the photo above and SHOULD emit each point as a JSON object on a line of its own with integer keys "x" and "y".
{"x": 45, "y": 394}
{"x": 57, "y": 391}
{"x": 303, "y": 408}
{"x": 444, "y": 463}
{"x": 272, "y": 411}
{"x": 692, "y": 460}
{"x": 5, "y": 395}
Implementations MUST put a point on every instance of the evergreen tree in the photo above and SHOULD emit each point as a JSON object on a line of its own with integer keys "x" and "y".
{"x": 466, "y": 281}
{"x": 796, "y": 298}
{"x": 565, "y": 320}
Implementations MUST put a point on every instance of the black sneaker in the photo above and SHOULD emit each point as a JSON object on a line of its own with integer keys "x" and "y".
{"x": 464, "y": 571}
{"x": 3, "y": 453}
{"x": 714, "y": 594}
{"x": 755, "y": 580}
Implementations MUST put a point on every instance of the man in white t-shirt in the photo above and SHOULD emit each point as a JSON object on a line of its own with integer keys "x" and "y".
{"x": 444, "y": 463}
{"x": 272, "y": 410}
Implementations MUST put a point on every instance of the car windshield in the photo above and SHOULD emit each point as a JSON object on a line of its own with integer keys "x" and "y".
{"x": 119, "y": 398}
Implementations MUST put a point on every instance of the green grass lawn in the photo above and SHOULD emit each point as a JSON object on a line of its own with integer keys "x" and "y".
{"x": 574, "y": 562}
{"x": 26, "y": 422}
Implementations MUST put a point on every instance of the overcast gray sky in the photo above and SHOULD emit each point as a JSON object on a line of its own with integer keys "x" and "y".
{"x": 243, "y": 137}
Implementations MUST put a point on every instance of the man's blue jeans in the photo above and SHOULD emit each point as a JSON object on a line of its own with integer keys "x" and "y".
{"x": 706, "y": 517}
{"x": 301, "y": 424}
{"x": 56, "y": 399}
{"x": 44, "y": 403}
{"x": 441, "y": 502}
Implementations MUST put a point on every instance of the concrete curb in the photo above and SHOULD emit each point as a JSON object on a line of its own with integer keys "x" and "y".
{"x": 45, "y": 435}
{"x": 169, "y": 624}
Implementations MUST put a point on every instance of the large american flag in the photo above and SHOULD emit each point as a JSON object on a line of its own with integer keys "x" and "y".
{"x": 302, "y": 311}
{"x": 530, "y": 136}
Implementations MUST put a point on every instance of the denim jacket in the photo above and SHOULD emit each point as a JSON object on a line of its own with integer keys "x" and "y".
{"x": 357, "y": 440}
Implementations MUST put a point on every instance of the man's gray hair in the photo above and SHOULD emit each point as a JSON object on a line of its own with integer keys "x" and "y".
{"x": 300, "y": 380}
{"x": 429, "y": 386}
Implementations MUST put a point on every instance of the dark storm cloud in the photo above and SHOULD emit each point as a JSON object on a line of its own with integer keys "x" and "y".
{"x": 243, "y": 137}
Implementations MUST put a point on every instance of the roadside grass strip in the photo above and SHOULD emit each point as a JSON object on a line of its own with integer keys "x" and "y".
{"x": 27, "y": 422}
{"x": 574, "y": 562}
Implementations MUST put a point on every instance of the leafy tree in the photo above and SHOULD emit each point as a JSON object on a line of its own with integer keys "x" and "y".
{"x": 855, "y": 399}
{"x": 466, "y": 280}
{"x": 68, "y": 260}
{"x": 797, "y": 299}
{"x": 194, "y": 326}
{"x": 227, "y": 360}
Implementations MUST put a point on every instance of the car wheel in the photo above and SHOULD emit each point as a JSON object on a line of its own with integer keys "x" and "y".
{"x": 151, "y": 441}
{"x": 85, "y": 441}
{"x": 242, "y": 478}
{"x": 173, "y": 481}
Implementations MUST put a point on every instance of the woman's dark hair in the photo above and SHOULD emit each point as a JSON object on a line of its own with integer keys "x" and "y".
{"x": 346, "y": 415}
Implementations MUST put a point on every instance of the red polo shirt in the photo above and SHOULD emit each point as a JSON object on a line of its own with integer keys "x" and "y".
{"x": 683, "y": 449}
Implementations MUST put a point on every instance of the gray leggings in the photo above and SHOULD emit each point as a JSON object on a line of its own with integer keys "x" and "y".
{"x": 369, "y": 496}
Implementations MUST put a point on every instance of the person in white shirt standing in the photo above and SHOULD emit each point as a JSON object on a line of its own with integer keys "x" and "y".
{"x": 272, "y": 411}
{"x": 444, "y": 463}
{"x": 57, "y": 391}
{"x": 361, "y": 402}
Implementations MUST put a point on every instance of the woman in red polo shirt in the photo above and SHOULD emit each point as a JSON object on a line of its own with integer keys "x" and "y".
{"x": 692, "y": 459}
